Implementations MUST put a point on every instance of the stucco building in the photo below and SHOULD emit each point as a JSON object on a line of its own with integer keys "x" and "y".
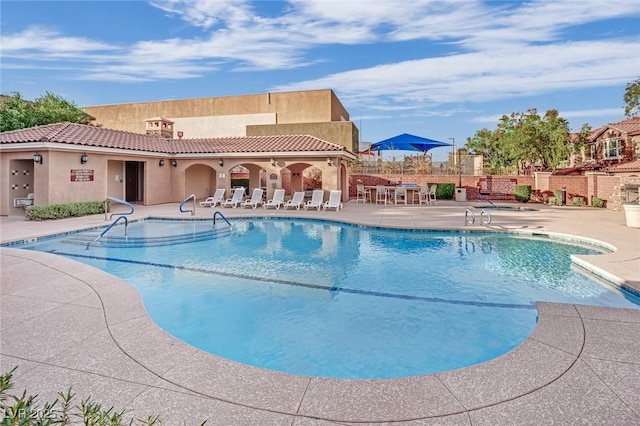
{"x": 67, "y": 162}
{"x": 313, "y": 112}
{"x": 163, "y": 151}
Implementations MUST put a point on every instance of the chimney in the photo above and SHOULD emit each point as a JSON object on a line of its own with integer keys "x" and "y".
{"x": 159, "y": 127}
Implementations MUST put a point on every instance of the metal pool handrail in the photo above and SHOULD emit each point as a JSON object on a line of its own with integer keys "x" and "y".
{"x": 467, "y": 220}
{"x": 126, "y": 223}
{"x": 483, "y": 220}
{"x": 193, "y": 210}
{"x": 116, "y": 200}
{"x": 470, "y": 217}
{"x": 219, "y": 213}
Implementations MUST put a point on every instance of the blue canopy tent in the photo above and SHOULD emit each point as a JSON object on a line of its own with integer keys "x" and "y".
{"x": 407, "y": 142}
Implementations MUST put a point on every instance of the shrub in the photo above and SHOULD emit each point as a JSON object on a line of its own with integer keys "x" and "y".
{"x": 522, "y": 193}
{"x": 444, "y": 191}
{"x": 26, "y": 410}
{"x": 61, "y": 211}
{"x": 577, "y": 201}
{"x": 598, "y": 202}
{"x": 555, "y": 201}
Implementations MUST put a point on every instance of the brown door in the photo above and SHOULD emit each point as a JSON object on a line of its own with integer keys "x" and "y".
{"x": 131, "y": 173}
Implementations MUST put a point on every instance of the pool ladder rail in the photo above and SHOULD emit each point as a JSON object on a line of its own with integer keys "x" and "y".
{"x": 470, "y": 217}
{"x": 108, "y": 228}
{"x": 219, "y": 214}
{"x": 110, "y": 200}
{"x": 192, "y": 210}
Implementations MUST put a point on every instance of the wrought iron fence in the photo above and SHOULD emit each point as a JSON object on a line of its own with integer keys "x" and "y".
{"x": 443, "y": 168}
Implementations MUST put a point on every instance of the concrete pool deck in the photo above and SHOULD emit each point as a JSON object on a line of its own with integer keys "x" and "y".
{"x": 66, "y": 324}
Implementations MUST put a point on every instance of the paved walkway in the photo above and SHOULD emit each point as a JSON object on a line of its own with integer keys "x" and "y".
{"x": 67, "y": 324}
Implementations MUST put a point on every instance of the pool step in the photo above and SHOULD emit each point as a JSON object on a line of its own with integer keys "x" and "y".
{"x": 122, "y": 241}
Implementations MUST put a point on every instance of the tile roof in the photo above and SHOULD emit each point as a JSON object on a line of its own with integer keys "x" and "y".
{"x": 80, "y": 134}
{"x": 630, "y": 166}
{"x": 630, "y": 126}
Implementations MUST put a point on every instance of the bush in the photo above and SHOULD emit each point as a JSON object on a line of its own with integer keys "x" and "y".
{"x": 522, "y": 193}
{"x": 61, "y": 211}
{"x": 26, "y": 410}
{"x": 444, "y": 191}
{"x": 577, "y": 201}
{"x": 598, "y": 202}
{"x": 555, "y": 201}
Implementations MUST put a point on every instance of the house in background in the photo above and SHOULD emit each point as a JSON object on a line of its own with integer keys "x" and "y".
{"x": 614, "y": 147}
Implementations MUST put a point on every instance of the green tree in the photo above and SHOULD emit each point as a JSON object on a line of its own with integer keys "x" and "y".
{"x": 632, "y": 98}
{"x": 17, "y": 113}
{"x": 523, "y": 141}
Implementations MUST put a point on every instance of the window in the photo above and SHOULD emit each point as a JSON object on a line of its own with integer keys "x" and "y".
{"x": 591, "y": 154}
{"x": 612, "y": 148}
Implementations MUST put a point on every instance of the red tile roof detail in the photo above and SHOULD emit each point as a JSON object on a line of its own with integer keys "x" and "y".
{"x": 79, "y": 134}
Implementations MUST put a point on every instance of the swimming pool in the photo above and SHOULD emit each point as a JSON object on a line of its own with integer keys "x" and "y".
{"x": 324, "y": 299}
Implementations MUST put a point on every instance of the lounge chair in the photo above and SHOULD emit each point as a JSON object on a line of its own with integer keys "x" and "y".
{"x": 235, "y": 199}
{"x": 296, "y": 201}
{"x": 334, "y": 201}
{"x": 316, "y": 200}
{"x": 277, "y": 201}
{"x": 217, "y": 198}
{"x": 255, "y": 200}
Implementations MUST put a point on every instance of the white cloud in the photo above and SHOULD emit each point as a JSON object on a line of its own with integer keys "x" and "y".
{"x": 49, "y": 43}
{"x": 486, "y": 75}
{"x": 510, "y": 49}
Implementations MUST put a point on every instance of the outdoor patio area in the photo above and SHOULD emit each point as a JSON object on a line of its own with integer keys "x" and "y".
{"x": 65, "y": 324}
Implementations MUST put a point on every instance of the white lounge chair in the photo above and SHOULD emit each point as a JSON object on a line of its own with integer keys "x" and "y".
{"x": 277, "y": 201}
{"x": 256, "y": 199}
{"x": 296, "y": 201}
{"x": 217, "y": 198}
{"x": 316, "y": 200}
{"x": 235, "y": 199}
{"x": 334, "y": 201}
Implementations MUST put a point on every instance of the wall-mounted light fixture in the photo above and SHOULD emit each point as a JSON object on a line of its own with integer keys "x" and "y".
{"x": 174, "y": 163}
{"x": 273, "y": 162}
{"x": 37, "y": 158}
{"x": 330, "y": 161}
{"x": 221, "y": 162}
{"x": 161, "y": 163}
{"x": 84, "y": 158}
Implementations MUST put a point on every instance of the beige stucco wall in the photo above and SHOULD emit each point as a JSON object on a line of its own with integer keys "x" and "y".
{"x": 289, "y": 107}
{"x": 313, "y": 112}
{"x": 219, "y": 126}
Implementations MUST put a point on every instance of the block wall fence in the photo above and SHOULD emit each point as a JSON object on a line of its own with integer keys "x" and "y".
{"x": 608, "y": 188}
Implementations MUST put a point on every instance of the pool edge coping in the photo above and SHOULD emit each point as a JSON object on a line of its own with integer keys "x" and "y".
{"x": 320, "y": 398}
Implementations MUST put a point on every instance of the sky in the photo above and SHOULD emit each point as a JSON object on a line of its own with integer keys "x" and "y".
{"x": 436, "y": 69}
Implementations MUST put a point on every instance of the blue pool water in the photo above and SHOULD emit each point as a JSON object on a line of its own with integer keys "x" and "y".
{"x": 324, "y": 299}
